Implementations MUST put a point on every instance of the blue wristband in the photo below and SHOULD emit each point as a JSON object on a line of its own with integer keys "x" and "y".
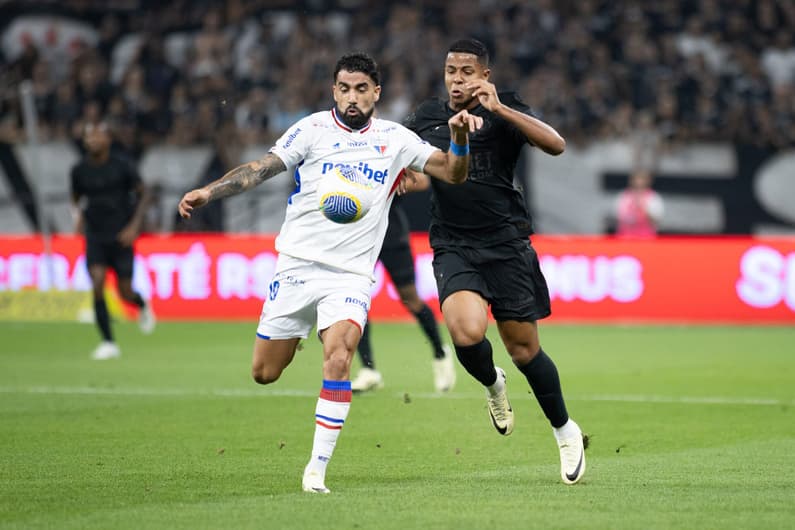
{"x": 459, "y": 150}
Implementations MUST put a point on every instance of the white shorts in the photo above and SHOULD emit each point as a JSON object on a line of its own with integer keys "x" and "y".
{"x": 304, "y": 293}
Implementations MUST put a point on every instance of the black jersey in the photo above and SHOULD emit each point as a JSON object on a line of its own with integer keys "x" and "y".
{"x": 106, "y": 194}
{"x": 487, "y": 208}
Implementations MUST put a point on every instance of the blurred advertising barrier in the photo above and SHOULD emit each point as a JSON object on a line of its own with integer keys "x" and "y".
{"x": 598, "y": 279}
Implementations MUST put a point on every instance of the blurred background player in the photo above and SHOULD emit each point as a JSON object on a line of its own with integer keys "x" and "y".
{"x": 110, "y": 201}
{"x": 639, "y": 209}
{"x": 482, "y": 256}
{"x": 399, "y": 263}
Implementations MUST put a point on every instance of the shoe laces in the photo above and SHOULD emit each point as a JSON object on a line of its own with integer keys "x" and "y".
{"x": 499, "y": 406}
{"x": 569, "y": 452}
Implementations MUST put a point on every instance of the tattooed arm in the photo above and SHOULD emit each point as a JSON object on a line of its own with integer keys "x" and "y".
{"x": 240, "y": 179}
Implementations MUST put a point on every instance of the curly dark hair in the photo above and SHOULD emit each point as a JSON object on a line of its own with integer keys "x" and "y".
{"x": 358, "y": 62}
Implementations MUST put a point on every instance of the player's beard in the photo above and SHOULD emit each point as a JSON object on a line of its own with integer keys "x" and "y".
{"x": 356, "y": 121}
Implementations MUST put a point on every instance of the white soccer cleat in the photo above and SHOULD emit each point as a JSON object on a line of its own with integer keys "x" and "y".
{"x": 500, "y": 409}
{"x": 146, "y": 319}
{"x": 106, "y": 350}
{"x": 572, "y": 455}
{"x": 367, "y": 379}
{"x": 444, "y": 371}
{"x": 313, "y": 482}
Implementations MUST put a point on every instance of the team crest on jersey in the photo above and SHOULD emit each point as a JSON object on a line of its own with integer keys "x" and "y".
{"x": 380, "y": 148}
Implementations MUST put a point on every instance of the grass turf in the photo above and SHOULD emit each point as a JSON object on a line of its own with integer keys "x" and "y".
{"x": 691, "y": 427}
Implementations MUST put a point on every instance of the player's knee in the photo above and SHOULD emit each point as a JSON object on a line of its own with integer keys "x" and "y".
{"x": 127, "y": 294}
{"x": 522, "y": 352}
{"x": 466, "y": 333}
{"x": 264, "y": 375}
{"x": 337, "y": 365}
{"x": 413, "y": 304}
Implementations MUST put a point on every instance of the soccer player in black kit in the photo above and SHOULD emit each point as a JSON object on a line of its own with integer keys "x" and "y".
{"x": 482, "y": 253}
{"x": 110, "y": 201}
{"x": 399, "y": 262}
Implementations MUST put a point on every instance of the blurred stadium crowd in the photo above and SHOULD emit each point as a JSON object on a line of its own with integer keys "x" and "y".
{"x": 192, "y": 71}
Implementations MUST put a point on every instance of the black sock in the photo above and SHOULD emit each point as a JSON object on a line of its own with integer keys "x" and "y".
{"x": 428, "y": 323}
{"x": 543, "y": 377}
{"x": 103, "y": 320}
{"x": 477, "y": 360}
{"x": 365, "y": 351}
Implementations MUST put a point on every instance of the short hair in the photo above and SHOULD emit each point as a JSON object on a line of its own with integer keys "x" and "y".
{"x": 473, "y": 46}
{"x": 358, "y": 62}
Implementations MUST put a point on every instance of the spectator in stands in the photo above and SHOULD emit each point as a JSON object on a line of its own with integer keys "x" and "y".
{"x": 700, "y": 67}
{"x": 639, "y": 209}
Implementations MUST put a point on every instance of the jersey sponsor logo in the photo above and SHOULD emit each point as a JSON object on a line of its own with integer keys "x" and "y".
{"x": 292, "y": 136}
{"x": 356, "y": 301}
{"x": 372, "y": 174}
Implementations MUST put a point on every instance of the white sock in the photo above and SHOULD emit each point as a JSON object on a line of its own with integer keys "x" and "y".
{"x": 497, "y": 387}
{"x": 330, "y": 413}
{"x": 567, "y": 430}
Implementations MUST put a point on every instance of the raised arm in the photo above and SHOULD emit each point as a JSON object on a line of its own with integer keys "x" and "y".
{"x": 536, "y": 131}
{"x": 453, "y": 165}
{"x": 238, "y": 180}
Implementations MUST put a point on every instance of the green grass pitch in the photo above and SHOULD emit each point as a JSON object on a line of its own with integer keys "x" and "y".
{"x": 691, "y": 427}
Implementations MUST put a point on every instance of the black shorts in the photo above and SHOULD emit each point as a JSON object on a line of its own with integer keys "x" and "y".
{"x": 111, "y": 254}
{"x": 507, "y": 275}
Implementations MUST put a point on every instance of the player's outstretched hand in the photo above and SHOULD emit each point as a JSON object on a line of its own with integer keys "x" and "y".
{"x": 464, "y": 122}
{"x": 192, "y": 200}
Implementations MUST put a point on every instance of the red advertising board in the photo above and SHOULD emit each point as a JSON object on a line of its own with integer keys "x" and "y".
{"x": 738, "y": 280}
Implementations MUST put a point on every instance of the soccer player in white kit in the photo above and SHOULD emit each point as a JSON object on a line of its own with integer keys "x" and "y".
{"x": 324, "y": 271}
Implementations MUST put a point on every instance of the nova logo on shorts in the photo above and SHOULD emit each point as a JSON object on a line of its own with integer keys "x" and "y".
{"x": 371, "y": 174}
{"x": 356, "y": 301}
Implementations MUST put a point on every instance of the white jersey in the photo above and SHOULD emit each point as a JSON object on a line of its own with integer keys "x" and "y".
{"x": 312, "y": 147}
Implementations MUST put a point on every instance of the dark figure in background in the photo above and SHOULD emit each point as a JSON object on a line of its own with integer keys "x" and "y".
{"x": 399, "y": 263}
{"x": 110, "y": 201}
{"x": 482, "y": 255}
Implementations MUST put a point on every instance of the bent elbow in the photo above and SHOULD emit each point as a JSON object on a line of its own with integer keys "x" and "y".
{"x": 557, "y": 147}
{"x": 458, "y": 179}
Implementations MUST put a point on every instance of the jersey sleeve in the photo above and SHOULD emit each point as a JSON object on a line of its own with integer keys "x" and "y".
{"x": 417, "y": 150}
{"x": 512, "y": 100}
{"x": 294, "y": 144}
